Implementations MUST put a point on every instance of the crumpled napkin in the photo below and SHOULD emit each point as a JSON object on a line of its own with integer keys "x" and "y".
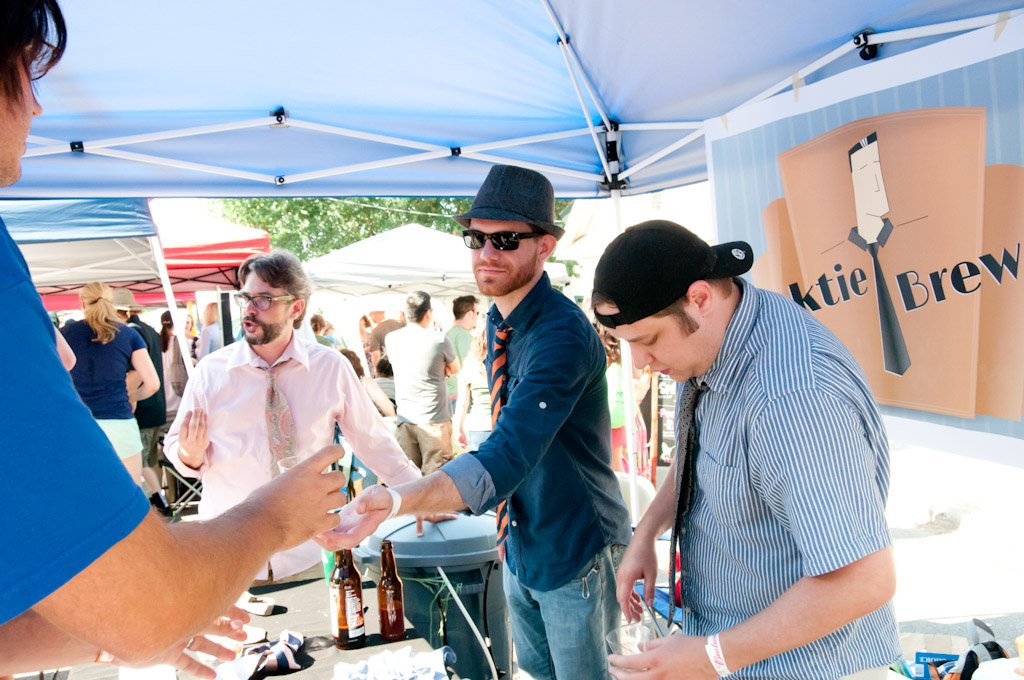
{"x": 277, "y": 658}
{"x": 403, "y": 664}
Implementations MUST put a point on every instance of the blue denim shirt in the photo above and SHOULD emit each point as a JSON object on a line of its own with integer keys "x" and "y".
{"x": 550, "y": 451}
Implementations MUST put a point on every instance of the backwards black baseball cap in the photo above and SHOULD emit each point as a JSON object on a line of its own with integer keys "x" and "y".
{"x": 652, "y": 264}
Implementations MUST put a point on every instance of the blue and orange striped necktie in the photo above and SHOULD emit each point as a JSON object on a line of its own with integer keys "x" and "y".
{"x": 499, "y": 376}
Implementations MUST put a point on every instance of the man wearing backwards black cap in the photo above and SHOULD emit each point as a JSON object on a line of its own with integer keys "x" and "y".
{"x": 549, "y": 454}
{"x": 778, "y": 509}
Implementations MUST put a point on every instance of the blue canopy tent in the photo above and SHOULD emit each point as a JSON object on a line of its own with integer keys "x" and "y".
{"x": 69, "y": 243}
{"x": 405, "y": 98}
{"x": 254, "y": 98}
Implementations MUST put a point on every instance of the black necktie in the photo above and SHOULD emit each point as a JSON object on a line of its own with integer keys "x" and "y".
{"x": 686, "y": 442}
{"x": 895, "y": 357}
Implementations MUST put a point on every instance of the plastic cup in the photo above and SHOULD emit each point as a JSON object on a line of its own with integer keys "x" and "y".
{"x": 287, "y": 463}
{"x": 629, "y": 639}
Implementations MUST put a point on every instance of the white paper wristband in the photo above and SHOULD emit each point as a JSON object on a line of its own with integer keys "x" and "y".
{"x": 714, "y": 650}
{"x": 396, "y": 502}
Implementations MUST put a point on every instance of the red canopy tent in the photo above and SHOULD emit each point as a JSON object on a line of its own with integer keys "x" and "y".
{"x": 113, "y": 241}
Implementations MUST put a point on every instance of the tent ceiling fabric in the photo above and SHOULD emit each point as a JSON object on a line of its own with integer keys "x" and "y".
{"x": 369, "y": 86}
{"x": 403, "y": 260}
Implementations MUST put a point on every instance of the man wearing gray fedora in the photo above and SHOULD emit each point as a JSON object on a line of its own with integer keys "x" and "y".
{"x": 546, "y": 467}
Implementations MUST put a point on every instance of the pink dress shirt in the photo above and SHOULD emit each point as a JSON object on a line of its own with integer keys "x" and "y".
{"x": 321, "y": 389}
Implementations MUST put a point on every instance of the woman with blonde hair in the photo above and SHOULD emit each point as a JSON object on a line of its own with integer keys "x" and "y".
{"x": 112, "y": 373}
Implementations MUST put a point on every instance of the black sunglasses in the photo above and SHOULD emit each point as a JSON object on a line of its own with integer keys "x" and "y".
{"x": 501, "y": 240}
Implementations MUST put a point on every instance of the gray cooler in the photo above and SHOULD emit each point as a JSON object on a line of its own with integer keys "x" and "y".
{"x": 466, "y": 549}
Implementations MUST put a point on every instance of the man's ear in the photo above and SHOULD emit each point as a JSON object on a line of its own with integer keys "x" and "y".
{"x": 700, "y": 296}
{"x": 298, "y": 307}
{"x": 547, "y": 245}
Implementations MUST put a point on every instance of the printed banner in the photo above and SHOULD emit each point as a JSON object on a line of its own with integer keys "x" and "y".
{"x": 895, "y": 215}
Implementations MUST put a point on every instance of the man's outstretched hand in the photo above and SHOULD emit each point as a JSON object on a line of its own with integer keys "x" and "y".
{"x": 357, "y": 520}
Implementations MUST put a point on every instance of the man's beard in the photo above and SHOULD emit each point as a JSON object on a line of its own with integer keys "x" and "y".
{"x": 513, "y": 280}
{"x": 270, "y": 332}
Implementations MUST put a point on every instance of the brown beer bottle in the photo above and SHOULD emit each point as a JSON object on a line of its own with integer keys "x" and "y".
{"x": 347, "y": 603}
{"x": 389, "y": 596}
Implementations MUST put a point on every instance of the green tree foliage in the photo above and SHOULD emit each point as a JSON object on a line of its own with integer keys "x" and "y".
{"x": 310, "y": 227}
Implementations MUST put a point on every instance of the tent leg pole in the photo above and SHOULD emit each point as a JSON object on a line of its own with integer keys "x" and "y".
{"x": 628, "y": 393}
{"x": 176, "y": 316}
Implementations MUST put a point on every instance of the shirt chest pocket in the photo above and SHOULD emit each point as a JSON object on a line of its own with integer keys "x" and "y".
{"x": 726, "y": 491}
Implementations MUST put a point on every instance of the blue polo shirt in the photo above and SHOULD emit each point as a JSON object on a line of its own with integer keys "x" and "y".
{"x": 550, "y": 451}
{"x": 66, "y": 497}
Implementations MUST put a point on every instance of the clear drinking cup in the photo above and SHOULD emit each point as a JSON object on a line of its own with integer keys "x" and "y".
{"x": 287, "y": 463}
{"x": 629, "y": 639}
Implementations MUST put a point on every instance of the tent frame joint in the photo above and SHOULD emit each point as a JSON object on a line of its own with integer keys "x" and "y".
{"x": 281, "y": 116}
{"x": 456, "y": 150}
{"x": 868, "y": 51}
{"x": 77, "y": 147}
{"x": 614, "y": 184}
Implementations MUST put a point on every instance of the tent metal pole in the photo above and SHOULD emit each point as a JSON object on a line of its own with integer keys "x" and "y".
{"x": 628, "y": 393}
{"x": 563, "y": 40}
{"x": 881, "y": 38}
{"x": 372, "y": 165}
{"x": 586, "y": 114}
{"x": 368, "y": 136}
{"x": 176, "y": 315}
{"x": 677, "y": 125}
{"x": 62, "y": 147}
{"x": 650, "y": 188}
{"x": 184, "y": 165}
{"x": 520, "y": 141}
{"x": 658, "y": 155}
{"x": 843, "y": 50}
{"x": 940, "y": 29}
{"x": 601, "y": 109}
{"x": 539, "y": 167}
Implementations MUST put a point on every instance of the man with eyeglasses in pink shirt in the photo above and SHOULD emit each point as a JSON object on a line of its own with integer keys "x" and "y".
{"x": 229, "y": 430}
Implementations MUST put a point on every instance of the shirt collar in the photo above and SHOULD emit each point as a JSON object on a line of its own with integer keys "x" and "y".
{"x": 244, "y": 356}
{"x": 527, "y": 309}
{"x": 723, "y": 372}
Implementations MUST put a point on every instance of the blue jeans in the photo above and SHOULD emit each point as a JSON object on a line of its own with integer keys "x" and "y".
{"x": 559, "y": 634}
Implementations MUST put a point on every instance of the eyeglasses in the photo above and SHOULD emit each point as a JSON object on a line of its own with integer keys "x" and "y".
{"x": 501, "y": 240}
{"x": 260, "y": 302}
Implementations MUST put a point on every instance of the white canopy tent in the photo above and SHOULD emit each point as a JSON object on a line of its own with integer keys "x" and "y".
{"x": 403, "y": 260}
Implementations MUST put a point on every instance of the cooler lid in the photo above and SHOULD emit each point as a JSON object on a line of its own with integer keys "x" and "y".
{"x": 462, "y": 541}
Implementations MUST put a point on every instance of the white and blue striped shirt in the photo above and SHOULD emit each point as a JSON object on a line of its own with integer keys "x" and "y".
{"x": 792, "y": 475}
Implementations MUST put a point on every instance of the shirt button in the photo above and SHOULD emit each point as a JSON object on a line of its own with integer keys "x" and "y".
{"x": 543, "y": 404}
{"x": 514, "y": 523}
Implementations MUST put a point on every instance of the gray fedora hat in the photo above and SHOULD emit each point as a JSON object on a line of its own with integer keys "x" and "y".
{"x": 514, "y": 194}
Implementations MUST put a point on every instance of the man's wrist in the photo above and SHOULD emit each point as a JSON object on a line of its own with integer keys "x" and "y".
{"x": 194, "y": 461}
{"x": 396, "y": 502}
{"x": 715, "y": 655}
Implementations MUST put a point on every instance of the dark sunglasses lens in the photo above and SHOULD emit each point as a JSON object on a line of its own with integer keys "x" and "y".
{"x": 473, "y": 239}
{"x": 505, "y": 240}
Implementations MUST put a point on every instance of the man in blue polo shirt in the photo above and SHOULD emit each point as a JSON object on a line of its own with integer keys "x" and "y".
{"x": 549, "y": 455}
{"x": 786, "y": 563}
{"x": 86, "y": 571}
